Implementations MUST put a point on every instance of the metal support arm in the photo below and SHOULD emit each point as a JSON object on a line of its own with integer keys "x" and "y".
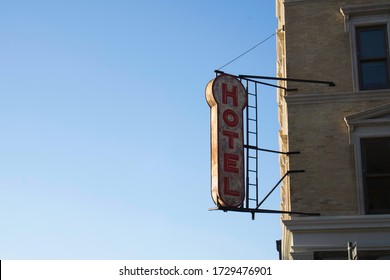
{"x": 331, "y": 84}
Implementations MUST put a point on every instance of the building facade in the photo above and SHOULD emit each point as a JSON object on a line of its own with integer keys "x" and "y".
{"x": 342, "y": 132}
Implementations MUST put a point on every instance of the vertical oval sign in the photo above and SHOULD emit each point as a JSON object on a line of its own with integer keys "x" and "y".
{"x": 227, "y": 99}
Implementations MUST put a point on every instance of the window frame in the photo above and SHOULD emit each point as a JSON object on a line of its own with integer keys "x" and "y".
{"x": 367, "y": 24}
{"x": 366, "y": 174}
{"x": 360, "y": 61}
{"x": 360, "y": 16}
{"x": 373, "y": 123}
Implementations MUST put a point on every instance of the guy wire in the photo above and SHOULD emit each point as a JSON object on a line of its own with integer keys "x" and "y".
{"x": 258, "y": 44}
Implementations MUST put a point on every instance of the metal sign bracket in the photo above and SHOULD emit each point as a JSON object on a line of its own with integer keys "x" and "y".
{"x": 251, "y": 202}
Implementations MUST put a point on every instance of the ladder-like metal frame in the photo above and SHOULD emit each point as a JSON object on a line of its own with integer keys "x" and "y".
{"x": 251, "y": 154}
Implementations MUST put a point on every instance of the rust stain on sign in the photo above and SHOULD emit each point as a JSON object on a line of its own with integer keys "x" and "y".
{"x": 227, "y": 99}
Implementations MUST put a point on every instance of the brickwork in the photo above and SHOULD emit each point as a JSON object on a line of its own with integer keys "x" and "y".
{"x": 315, "y": 45}
{"x": 320, "y": 133}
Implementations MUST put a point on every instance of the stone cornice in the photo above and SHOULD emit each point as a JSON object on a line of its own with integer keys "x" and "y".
{"x": 311, "y": 98}
{"x": 322, "y": 223}
{"x": 292, "y": 2}
{"x": 364, "y": 9}
{"x": 377, "y": 115}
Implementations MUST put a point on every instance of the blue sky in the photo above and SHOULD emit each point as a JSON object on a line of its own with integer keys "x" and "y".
{"x": 105, "y": 145}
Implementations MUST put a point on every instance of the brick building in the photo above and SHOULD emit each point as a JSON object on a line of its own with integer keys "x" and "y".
{"x": 342, "y": 132}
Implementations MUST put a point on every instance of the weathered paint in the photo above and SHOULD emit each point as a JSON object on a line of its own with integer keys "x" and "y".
{"x": 227, "y": 99}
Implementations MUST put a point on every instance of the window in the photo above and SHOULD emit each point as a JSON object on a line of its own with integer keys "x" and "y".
{"x": 368, "y": 26}
{"x": 376, "y": 174}
{"x": 372, "y": 57}
{"x": 369, "y": 133}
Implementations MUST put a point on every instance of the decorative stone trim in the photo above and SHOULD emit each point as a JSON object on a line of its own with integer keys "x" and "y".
{"x": 332, "y": 233}
{"x": 351, "y": 11}
{"x": 311, "y": 98}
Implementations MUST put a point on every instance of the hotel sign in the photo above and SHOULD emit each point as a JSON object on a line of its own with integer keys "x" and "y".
{"x": 227, "y": 99}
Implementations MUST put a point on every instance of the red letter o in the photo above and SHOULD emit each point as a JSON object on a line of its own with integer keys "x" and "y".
{"x": 227, "y": 114}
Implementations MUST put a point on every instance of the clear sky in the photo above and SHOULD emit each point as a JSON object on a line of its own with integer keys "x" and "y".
{"x": 105, "y": 134}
